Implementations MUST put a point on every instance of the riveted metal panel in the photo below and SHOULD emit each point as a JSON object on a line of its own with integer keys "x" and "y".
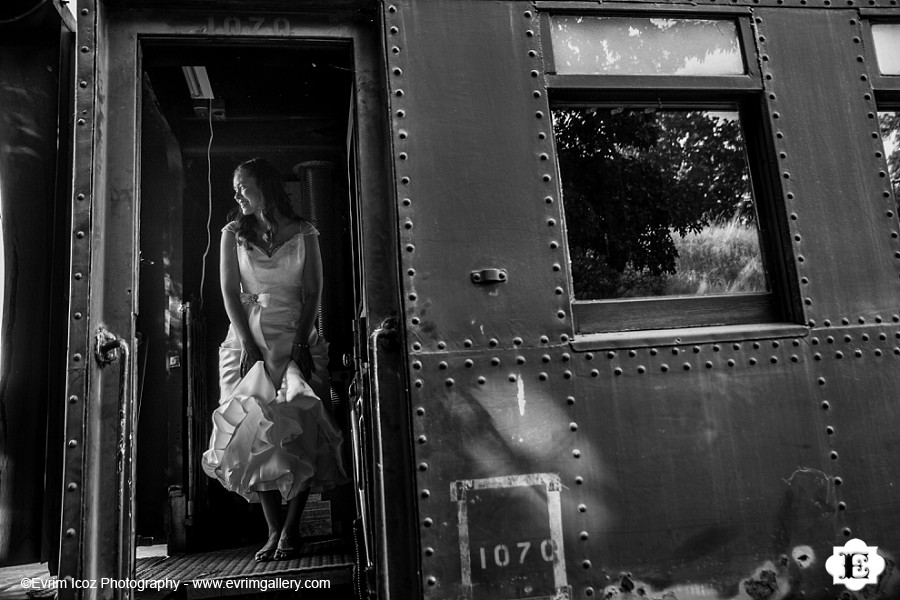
{"x": 858, "y": 376}
{"x": 704, "y": 470}
{"x": 842, "y": 214}
{"x": 475, "y": 180}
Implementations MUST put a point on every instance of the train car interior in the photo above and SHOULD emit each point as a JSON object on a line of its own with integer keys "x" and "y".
{"x": 206, "y": 107}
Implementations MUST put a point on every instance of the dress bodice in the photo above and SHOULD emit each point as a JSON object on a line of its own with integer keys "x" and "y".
{"x": 279, "y": 273}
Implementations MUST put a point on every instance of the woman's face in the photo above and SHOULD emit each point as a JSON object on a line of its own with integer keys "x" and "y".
{"x": 247, "y": 194}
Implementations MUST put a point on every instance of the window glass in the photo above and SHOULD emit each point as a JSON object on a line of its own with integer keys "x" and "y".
{"x": 887, "y": 47}
{"x": 645, "y": 46}
{"x": 890, "y": 136}
{"x": 658, "y": 202}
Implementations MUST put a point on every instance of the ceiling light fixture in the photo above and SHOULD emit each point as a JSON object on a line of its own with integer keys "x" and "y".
{"x": 198, "y": 82}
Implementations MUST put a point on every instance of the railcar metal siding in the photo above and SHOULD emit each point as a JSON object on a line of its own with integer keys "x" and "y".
{"x": 685, "y": 470}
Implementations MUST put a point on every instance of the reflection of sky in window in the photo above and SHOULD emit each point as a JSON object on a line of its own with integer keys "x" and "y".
{"x": 643, "y": 46}
{"x": 887, "y": 47}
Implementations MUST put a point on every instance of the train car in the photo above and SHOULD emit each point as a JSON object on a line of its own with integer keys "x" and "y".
{"x": 613, "y": 289}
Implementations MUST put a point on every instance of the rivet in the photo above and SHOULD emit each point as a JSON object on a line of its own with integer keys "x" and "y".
{"x": 709, "y": 364}
{"x": 527, "y": 14}
{"x": 410, "y": 247}
{"x": 877, "y": 351}
{"x": 72, "y": 486}
{"x": 534, "y": 73}
{"x": 422, "y": 439}
{"x": 418, "y": 383}
{"x": 804, "y": 280}
{"x": 78, "y": 316}
{"x": 79, "y": 234}
{"x": 432, "y": 580}
{"x": 821, "y": 381}
{"x": 554, "y": 245}
{"x": 542, "y": 135}
{"x": 542, "y": 376}
{"x": 538, "y": 115}
{"x": 817, "y": 356}
{"x": 566, "y": 357}
{"x": 429, "y": 551}
{"x": 544, "y": 339}
{"x": 827, "y": 322}
{"x": 845, "y": 321}
{"x": 632, "y": 353}
{"x": 442, "y": 365}
{"x": 570, "y": 400}
{"x": 589, "y": 591}
{"x": 85, "y": 49}
{"x": 441, "y": 345}
{"x": 73, "y": 399}
{"x": 617, "y": 371}
{"x": 512, "y": 377}
{"x": 611, "y": 354}
{"x": 842, "y": 506}
{"x": 84, "y": 11}
{"x": 586, "y": 564}
{"x": 825, "y": 405}
{"x": 415, "y": 320}
{"x": 595, "y": 373}
{"x": 482, "y": 380}
{"x": 529, "y": 32}
{"x": 532, "y": 53}
{"x": 392, "y": 8}
{"x": 404, "y": 180}
{"x": 535, "y": 93}
{"x": 546, "y": 177}
{"x": 583, "y": 535}
{"x": 581, "y": 507}
{"x": 776, "y": 115}
{"x": 795, "y": 358}
{"x": 675, "y": 351}
{"x": 412, "y": 296}
{"x": 397, "y": 71}
{"x": 77, "y": 358}
{"x": 838, "y": 481}
{"x": 735, "y": 346}
{"x": 576, "y": 453}
{"x": 401, "y": 113}
{"x": 467, "y": 343}
{"x": 641, "y": 369}
{"x": 420, "y": 411}
{"x": 551, "y": 222}
{"x": 423, "y": 466}
{"x": 793, "y": 216}
{"x": 493, "y": 342}
{"x": 395, "y": 49}
{"x": 589, "y": 356}
{"x": 847, "y": 532}
{"x": 752, "y": 361}
{"x": 834, "y": 455}
{"x": 578, "y": 481}
{"x": 403, "y": 156}
{"x": 70, "y": 532}
{"x": 394, "y": 30}
{"x": 403, "y": 134}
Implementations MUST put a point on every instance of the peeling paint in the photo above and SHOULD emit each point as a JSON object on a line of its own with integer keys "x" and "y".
{"x": 803, "y": 556}
{"x": 762, "y": 587}
{"x": 520, "y": 393}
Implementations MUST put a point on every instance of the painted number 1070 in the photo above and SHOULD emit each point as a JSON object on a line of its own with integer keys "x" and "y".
{"x": 248, "y": 25}
{"x": 502, "y": 555}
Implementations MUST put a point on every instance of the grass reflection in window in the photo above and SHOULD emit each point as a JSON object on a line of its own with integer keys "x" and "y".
{"x": 657, "y": 203}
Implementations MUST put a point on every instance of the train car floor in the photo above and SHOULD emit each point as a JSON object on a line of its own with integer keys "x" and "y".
{"x": 324, "y": 570}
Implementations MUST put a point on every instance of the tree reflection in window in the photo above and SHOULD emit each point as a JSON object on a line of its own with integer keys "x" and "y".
{"x": 657, "y": 202}
{"x": 890, "y": 136}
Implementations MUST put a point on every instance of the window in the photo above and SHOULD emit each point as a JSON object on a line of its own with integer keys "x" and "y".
{"x": 889, "y": 122}
{"x": 657, "y": 130}
{"x": 886, "y": 37}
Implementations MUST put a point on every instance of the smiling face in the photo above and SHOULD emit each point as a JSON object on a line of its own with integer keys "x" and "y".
{"x": 247, "y": 194}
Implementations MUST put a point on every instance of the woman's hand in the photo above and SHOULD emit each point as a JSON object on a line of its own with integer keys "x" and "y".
{"x": 250, "y": 355}
{"x": 301, "y": 355}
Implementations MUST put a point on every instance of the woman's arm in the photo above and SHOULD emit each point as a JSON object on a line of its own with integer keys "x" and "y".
{"x": 312, "y": 295}
{"x": 230, "y": 279}
{"x": 312, "y": 289}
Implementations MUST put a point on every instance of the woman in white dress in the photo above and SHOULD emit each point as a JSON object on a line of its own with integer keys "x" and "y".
{"x": 272, "y": 438}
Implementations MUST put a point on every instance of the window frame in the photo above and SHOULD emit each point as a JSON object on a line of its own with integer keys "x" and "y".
{"x": 879, "y": 82}
{"x": 743, "y": 93}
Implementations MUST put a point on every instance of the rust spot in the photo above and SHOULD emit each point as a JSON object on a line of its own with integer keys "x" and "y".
{"x": 762, "y": 587}
{"x": 626, "y": 584}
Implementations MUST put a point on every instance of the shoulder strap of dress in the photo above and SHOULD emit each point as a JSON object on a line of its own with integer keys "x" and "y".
{"x": 309, "y": 229}
{"x": 231, "y": 227}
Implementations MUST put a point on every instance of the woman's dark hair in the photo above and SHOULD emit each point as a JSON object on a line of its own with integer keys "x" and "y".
{"x": 276, "y": 198}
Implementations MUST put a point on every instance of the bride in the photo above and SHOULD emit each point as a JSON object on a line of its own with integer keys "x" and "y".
{"x": 272, "y": 438}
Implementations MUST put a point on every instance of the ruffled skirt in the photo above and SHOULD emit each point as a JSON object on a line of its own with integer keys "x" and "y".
{"x": 267, "y": 439}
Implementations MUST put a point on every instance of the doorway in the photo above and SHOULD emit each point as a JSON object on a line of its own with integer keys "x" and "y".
{"x": 207, "y": 106}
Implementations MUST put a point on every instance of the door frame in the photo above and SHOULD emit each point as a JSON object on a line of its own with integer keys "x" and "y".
{"x": 98, "y": 463}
